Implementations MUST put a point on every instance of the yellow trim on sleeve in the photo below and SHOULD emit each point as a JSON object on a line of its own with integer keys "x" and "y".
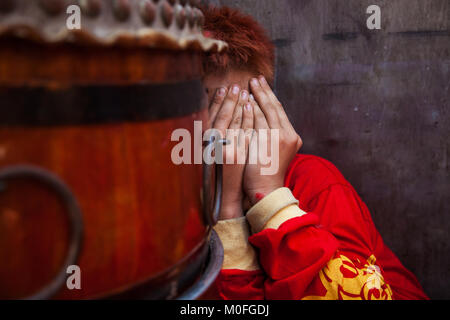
{"x": 273, "y": 204}
{"x": 292, "y": 211}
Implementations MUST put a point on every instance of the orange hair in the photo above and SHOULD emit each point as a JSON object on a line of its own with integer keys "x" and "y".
{"x": 249, "y": 47}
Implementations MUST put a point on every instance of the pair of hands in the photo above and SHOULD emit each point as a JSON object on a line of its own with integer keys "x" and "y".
{"x": 256, "y": 115}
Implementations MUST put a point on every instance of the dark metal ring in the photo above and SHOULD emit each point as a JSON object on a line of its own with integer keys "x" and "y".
{"x": 75, "y": 218}
{"x": 211, "y": 217}
{"x": 220, "y": 141}
{"x": 212, "y": 269}
{"x": 225, "y": 142}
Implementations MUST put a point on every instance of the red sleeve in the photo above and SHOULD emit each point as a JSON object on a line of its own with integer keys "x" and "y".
{"x": 334, "y": 251}
{"x": 293, "y": 255}
{"x": 304, "y": 260}
{"x": 312, "y": 180}
{"x": 233, "y": 284}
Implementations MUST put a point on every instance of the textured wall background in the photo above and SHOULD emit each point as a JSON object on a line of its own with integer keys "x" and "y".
{"x": 376, "y": 104}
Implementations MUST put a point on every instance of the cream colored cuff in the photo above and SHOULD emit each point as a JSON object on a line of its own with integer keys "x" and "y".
{"x": 238, "y": 252}
{"x": 276, "y": 208}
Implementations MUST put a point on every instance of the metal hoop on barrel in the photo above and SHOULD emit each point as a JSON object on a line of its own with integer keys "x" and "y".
{"x": 212, "y": 269}
{"x": 75, "y": 219}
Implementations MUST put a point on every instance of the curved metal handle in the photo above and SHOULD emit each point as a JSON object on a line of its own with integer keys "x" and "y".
{"x": 75, "y": 219}
{"x": 211, "y": 214}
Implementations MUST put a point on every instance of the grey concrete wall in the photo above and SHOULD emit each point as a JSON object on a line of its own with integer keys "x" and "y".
{"x": 375, "y": 103}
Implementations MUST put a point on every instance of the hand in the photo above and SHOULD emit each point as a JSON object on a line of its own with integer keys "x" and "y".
{"x": 269, "y": 115}
{"x": 230, "y": 110}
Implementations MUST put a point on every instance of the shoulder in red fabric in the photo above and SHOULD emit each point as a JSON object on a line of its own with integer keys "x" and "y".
{"x": 309, "y": 175}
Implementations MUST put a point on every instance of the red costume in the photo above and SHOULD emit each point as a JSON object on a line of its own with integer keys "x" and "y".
{"x": 331, "y": 250}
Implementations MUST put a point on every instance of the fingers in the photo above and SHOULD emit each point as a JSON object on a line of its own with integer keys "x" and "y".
{"x": 276, "y": 106}
{"x": 236, "y": 121}
{"x": 260, "y": 121}
{"x": 253, "y": 149}
{"x": 216, "y": 103}
{"x": 232, "y": 132}
{"x": 268, "y": 90}
{"x": 226, "y": 111}
{"x": 242, "y": 120}
{"x": 247, "y": 125}
{"x": 275, "y": 102}
{"x": 265, "y": 103}
{"x": 248, "y": 118}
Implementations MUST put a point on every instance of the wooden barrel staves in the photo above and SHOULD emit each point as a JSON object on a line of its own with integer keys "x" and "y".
{"x": 87, "y": 184}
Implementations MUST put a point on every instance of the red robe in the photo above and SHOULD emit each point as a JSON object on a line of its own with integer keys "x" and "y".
{"x": 332, "y": 252}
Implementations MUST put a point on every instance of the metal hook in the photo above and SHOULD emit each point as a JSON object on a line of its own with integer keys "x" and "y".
{"x": 211, "y": 217}
{"x": 73, "y": 211}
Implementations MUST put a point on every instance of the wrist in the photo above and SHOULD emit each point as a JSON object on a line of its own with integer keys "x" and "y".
{"x": 231, "y": 211}
{"x": 258, "y": 194}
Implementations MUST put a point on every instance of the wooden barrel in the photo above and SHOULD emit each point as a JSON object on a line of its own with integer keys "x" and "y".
{"x": 86, "y": 175}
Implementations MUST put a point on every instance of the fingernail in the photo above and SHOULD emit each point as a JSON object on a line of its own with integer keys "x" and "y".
{"x": 263, "y": 80}
{"x": 235, "y": 90}
{"x": 244, "y": 94}
{"x": 255, "y": 82}
{"x": 248, "y": 107}
{"x": 221, "y": 92}
{"x": 252, "y": 97}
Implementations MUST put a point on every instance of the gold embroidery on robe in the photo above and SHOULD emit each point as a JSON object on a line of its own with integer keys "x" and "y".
{"x": 344, "y": 279}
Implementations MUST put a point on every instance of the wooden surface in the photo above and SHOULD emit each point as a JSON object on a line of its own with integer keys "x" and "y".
{"x": 139, "y": 217}
{"x": 27, "y": 63}
{"x": 141, "y": 213}
{"x": 375, "y": 103}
